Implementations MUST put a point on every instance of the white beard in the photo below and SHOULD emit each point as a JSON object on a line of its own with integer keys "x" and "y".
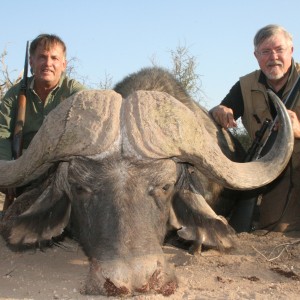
{"x": 275, "y": 76}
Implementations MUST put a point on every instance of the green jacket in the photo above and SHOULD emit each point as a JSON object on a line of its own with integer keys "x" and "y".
{"x": 36, "y": 111}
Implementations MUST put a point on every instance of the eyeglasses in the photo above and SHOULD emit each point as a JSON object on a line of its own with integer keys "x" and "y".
{"x": 268, "y": 52}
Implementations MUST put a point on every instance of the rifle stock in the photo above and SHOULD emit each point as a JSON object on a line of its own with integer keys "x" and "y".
{"x": 19, "y": 124}
{"x": 18, "y": 132}
{"x": 242, "y": 218}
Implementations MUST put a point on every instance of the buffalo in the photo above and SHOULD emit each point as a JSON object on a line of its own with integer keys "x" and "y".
{"x": 121, "y": 169}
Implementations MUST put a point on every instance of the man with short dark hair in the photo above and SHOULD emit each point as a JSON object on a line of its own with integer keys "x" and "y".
{"x": 46, "y": 89}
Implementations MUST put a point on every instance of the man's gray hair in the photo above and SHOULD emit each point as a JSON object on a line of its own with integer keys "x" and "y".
{"x": 270, "y": 30}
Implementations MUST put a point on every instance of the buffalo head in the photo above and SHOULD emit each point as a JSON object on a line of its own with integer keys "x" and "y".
{"x": 123, "y": 172}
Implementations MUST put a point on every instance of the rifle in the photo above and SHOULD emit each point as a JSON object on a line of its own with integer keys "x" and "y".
{"x": 17, "y": 144}
{"x": 242, "y": 217}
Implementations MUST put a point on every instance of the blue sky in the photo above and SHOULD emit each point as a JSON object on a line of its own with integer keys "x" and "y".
{"x": 118, "y": 37}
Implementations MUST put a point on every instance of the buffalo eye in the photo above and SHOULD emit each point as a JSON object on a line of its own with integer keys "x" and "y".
{"x": 79, "y": 189}
{"x": 166, "y": 187}
{"x": 159, "y": 191}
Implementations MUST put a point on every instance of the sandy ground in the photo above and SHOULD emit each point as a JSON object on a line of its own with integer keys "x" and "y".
{"x": 260, "y": 267}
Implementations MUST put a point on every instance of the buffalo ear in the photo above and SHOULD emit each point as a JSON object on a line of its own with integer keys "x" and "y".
{"x": 39, "y": 214}
{"x": 200, "y": 223}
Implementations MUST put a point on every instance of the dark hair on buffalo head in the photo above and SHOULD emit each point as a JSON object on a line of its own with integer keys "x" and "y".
{"x": 47, "y": 41}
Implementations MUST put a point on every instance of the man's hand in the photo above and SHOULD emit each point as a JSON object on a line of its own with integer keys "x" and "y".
{"x": 223, "y": 116}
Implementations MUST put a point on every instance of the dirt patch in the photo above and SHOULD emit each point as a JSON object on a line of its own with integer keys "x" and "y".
{"x": 259, "y": 267}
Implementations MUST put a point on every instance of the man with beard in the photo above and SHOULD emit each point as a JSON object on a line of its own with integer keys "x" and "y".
{"x": 279, "y": 207}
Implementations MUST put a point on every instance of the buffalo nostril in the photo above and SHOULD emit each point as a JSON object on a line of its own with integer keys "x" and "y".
{"x": 112, "y": 290}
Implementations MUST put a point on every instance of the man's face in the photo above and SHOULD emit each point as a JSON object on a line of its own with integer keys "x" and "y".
{"x": 274, "y": 56}
{"x": 48, "y": 65}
